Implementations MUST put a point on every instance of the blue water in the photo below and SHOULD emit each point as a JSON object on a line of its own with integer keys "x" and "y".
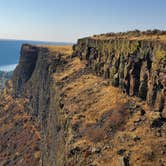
{"x": 10, "y": 52}
{"x": 8, "y": 68}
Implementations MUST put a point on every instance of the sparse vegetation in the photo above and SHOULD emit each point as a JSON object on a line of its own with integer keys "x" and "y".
{"x": 4, "y": 76}
{"x": 158, "y": 35}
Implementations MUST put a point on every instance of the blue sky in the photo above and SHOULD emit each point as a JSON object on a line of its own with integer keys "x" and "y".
{"x": 68, "y": 20}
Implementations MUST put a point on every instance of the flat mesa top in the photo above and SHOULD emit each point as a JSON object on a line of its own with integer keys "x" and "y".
{"x": 152, "y": 35}
{"x": 61, "y": 49}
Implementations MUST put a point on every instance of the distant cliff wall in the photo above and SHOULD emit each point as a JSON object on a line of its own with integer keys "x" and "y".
{"x": 32, "y": 80}
{"x": 136, "y": 66}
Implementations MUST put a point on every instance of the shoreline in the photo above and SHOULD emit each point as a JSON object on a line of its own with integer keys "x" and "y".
{"x": 8, "y": 68}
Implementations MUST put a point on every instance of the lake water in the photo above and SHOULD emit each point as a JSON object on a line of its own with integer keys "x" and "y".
{"x": 10, "y": 52}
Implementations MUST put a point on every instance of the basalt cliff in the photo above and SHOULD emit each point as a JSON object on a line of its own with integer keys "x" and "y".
{"x": 99, "y": 102}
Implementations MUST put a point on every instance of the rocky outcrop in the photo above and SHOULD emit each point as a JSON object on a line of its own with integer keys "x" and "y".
{"x": 136, "y": 66}
{"x": 25, "y": 68}
{"x": 33, "y": 81}
{"x": 32, "y": 78}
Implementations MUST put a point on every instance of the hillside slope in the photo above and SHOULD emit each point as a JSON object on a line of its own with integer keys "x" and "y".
{"x": 19, "y": 134}
{"x": 70, "y": 108}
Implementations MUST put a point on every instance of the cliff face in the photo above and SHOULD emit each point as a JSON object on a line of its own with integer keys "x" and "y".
{"x": 136, "y": 66}
{"x": 33, "y": 81}
{"x": 63, "y": 110}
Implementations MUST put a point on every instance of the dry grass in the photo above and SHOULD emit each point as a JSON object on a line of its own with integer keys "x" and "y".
{"x": 161, "y": 38}
{"x": 59, "y": 49}
{"x": 93, "y": 106}
{"x": 19, "y": 137}
{"x": 73, "y": 67}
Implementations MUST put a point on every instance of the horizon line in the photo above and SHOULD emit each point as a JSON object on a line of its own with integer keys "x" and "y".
{"x": 46, "y": 41}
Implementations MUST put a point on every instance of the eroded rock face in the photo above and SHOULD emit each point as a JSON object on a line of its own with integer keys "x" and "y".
{"x": 32, "y": 78}
{"x": 138, "y": 67}
{"x": 25, "y": 68}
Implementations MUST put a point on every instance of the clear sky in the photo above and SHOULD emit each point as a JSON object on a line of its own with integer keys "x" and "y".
{"x": 68, "y": 20}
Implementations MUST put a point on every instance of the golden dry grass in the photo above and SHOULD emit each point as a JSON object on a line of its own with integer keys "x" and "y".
{"x": 87, "y": 99}
{"x": 73, "y": 67}
{"x": 19, "y": 136}
{"x": 161, "y": 38}
{"x": 59, "y": 49}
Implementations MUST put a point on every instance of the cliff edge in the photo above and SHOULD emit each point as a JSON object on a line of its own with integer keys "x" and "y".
{"x": 102, "y": 103}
